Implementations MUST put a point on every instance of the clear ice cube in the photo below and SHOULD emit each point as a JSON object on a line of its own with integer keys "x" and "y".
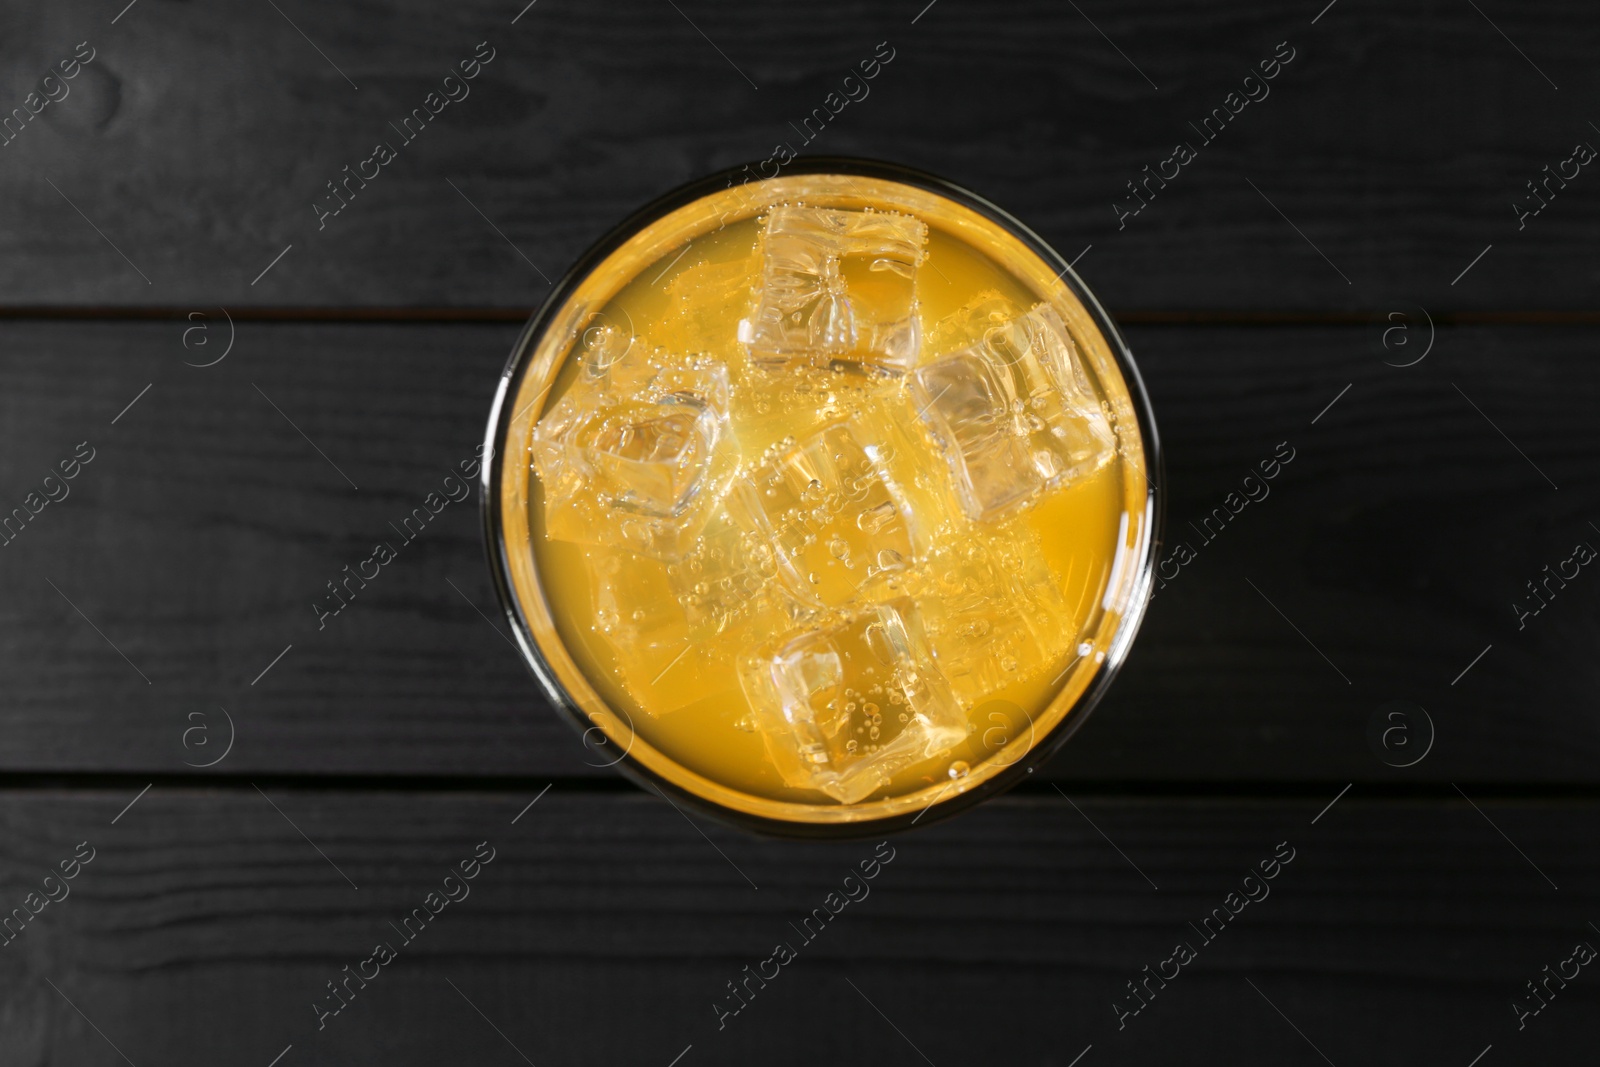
{"x": 837, "y": 287}
{"x": 638, "y": 451}
{"x": 840, "y": 528}
{"x": 992, "y": 611}
{"x": 1011, "y": 411}
{"x": 650, "y": 458}
{"x": 842, "y": 710}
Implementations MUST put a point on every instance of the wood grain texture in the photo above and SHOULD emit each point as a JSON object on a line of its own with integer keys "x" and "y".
{"x": 1387, "y": 156}
{"x": 605, "y": 928}
{"x": 199, "y": 537}
{"x": 165, "y": 604}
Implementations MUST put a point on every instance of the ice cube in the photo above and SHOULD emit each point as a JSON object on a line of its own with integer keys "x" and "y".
{"x": 638, "y": 452}
{"x": 993, "y": 611}
{"x": 840, "y": 528}
{"x": 837, "y": 287}
{"x": 842, "y": 710}
{"x": 1012, "y": 411}
{"x": 649, "y": 458}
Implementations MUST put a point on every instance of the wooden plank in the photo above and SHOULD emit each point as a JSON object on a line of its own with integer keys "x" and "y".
{"x": 1383, "y": 159}
{"x": 197, "y": 539}
{"x": 1386, "y": 559}
{"x": 604, "y": 930}
{"x": 211, "y": 519}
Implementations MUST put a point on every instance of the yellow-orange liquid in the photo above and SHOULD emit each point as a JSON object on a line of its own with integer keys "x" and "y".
{"x": 1017, "y": 608}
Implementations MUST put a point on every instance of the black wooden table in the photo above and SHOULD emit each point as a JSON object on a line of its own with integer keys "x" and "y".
{"x": 1342, "y": 806}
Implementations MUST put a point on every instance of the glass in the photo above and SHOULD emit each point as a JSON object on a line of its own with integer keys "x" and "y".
{"x": 848, "y": 426}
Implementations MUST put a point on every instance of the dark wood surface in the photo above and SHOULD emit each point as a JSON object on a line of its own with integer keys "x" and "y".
{"x": 206, "y": 527}
{"x": 1331, "y": 232}
{"x": 1396, "y": 140}
{"x": 605, "y": 929}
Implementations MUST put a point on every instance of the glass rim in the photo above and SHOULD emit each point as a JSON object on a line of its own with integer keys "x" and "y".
{"x": 491, "y": 477}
